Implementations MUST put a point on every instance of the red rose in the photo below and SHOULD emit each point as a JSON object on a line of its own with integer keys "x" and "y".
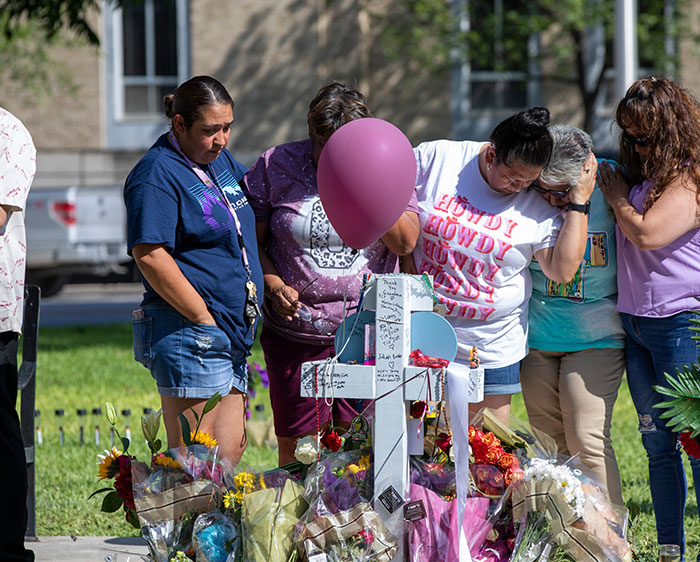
{"x": 367, "y": 536}
{"x": 418, "y": 409}
{"x": 690, "y": 445}
{"x": 479, "y": 449}
{"x": 332, "y": 440}
{"x": 475, "y": 435}
{"x": 507, "y": 461}
{"x": 497, "y": 479}
{"x": 493, "y": 454}
{"x": 444, "y": 442}
{"x": 122, "y": 482}
{"x": 512, "y": 475}
{"x": 490, "y": 439}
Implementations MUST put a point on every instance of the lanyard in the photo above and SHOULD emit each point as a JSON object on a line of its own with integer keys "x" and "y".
{"x": 202, "y": 175}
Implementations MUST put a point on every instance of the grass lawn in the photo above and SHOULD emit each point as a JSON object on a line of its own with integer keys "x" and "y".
{"x": 86, "y": 367}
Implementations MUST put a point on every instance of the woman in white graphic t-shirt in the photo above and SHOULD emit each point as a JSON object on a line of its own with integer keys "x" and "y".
{"x": 479, "y": 231}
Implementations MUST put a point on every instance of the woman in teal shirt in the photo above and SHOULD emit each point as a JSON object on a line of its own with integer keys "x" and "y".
{"x": 572, "y": 374}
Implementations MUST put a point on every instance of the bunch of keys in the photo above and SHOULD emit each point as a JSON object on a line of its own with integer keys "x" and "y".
{"x": 252, "y": 310}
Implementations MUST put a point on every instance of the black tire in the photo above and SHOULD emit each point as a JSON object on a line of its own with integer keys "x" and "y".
{"x": 50, "y": 285}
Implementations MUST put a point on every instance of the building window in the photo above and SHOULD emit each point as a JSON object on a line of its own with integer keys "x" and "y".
{"x": 502, "y": 57}
{"x": 500, "y": 76}
{"x": 149, "y": 56}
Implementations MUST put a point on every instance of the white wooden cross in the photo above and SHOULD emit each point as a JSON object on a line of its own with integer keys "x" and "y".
{"x": 394, "y": 297}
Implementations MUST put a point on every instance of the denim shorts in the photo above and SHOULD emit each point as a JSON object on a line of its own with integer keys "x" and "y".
{"x": 502, "y": 380}
{"x": 186, "y": 359}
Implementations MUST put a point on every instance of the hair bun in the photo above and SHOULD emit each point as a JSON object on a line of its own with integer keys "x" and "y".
{"x": 169, "y": 105}
{"x": 532, "y": 123}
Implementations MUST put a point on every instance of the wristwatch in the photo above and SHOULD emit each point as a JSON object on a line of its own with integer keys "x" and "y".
{"x": 585, "y": 208}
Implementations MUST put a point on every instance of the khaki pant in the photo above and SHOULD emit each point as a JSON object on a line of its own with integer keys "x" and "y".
{"x": 570, "y": 396}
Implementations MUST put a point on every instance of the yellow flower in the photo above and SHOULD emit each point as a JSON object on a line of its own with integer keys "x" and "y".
{"x": 166, "y": 461}
{"x": 244, "y": 482}
{"x": 202, "y": 438}
{"x": 107, "y": 466}
{"x": 262, "y": 482}
{"x": 238, "y": 497}
{"x": 352, "y": 468}
{"x": 364, "y": 462}
{"x": 229, "y": 499}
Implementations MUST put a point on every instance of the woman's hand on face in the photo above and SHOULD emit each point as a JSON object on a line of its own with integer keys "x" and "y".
{"x": 583, "y": 189}
{"x": 611, "y": 183}
{"x": 285, "y": 301}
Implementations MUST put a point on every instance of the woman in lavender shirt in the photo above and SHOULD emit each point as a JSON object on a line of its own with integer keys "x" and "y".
{"x": 658, "y": 252}
{"x": 311, "y": 276}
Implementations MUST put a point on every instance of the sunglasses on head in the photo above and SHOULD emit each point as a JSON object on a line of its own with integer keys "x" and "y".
{"x": 641, "y": 141}
{"x": 556, "y": 192}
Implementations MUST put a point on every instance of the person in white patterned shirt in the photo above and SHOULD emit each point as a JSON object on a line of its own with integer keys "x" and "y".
{"x": 17, "y": 167}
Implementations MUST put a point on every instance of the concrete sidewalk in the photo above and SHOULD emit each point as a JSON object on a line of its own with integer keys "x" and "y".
{"x": 89, "y": 549}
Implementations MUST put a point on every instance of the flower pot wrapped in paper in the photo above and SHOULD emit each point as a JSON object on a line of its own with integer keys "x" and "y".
{"x": 170, "y": 494}
{"x": 167, "y": 503}
{"x": 434, "y": 537}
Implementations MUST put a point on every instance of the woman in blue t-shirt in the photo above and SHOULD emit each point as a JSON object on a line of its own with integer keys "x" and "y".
{"x": 192, "y": 235}
{"x": 573, "y": 371}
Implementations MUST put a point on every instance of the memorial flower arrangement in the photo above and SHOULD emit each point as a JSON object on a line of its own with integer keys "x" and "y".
{"x": 163, "y": 495}
{"x": 340, "y": 522}
{"x": 560, "y": 508}
{"x": 492, "y": 468}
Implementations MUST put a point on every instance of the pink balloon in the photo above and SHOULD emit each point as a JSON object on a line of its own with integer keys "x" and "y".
{"x": 366, "y": 176}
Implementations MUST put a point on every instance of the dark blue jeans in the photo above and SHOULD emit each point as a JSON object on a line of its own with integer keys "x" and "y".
{"x": 655, "y": 346}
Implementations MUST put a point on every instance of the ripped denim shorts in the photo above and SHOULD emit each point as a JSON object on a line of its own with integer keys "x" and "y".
{"x": 187, "y": 359}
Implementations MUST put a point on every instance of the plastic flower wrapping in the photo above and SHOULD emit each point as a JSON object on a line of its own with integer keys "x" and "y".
{"x": 170, "y": 496}
{"x": 523, "y": 502}
{"x": 546, "y": 503}
{"x": 340, "y": 522}
{"x": 560, "y": 504}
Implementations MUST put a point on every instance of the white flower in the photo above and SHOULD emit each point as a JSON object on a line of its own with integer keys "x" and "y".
{"x": 150, "y": 424}
{"x": 307, "y": 450}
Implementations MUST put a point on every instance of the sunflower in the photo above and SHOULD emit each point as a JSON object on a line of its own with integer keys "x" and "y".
{"x": 166, "y": 461}
{"x": 107, "y": 465}
{"x": 202, "y": 438}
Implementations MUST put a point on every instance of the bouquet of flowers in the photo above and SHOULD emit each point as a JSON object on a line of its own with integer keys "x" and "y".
{"x": 492, "y": 468}
{"x": 164, "y": 496}
{"x": 517, "y": 437}
{"x": 557, "y": 504}
{"x": 266, "y": 506}
{"x": 340, "y": 522}
{"x": 433, "y": 520}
